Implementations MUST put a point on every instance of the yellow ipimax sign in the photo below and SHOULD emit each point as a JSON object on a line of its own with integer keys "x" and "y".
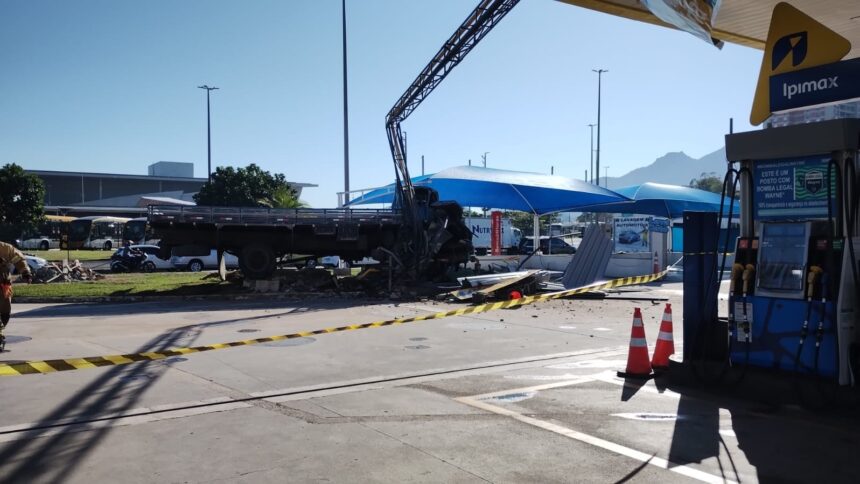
{"x": 795, "y": 41}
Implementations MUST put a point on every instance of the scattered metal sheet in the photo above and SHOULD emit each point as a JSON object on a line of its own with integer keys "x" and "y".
{"x": 590, "y": 260}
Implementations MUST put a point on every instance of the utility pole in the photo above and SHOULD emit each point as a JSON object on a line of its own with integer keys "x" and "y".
{"x": 345, "y": 109}
{"x": 422, "y": 165}
{"x": 586, "y": 176}
{"x": 597, "y": 163}
{"x": 470, "y": 162}
{"x": 591, "y": 170}
{"x": 484, "y": 157}
{"x": 552, "y": 170}
{"x": 606, "y": 177}
{"x": 208, "y": 132}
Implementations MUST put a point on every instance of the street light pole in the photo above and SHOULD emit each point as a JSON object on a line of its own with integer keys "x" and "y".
{"x": 592, "y": 152}
{"x": 208, "y": 132}
{"x": 484, "y": 157}
{"x": 597, "y": 163}
{"x": 345, "y": 109}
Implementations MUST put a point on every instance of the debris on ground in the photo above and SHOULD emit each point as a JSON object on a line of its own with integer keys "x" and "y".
{"x": 65, "y": 272}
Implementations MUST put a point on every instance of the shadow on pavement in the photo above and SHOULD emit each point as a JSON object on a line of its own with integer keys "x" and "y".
{"x": 55, "y": 457}
{"x": 778, "y": 443}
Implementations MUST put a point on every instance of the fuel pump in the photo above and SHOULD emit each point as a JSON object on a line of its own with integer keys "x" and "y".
{"x": 793, "y": 301}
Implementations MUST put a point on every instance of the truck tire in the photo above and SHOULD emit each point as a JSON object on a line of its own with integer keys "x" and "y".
{"x": 257, "y": 261}
{"x": 44, "y": 245}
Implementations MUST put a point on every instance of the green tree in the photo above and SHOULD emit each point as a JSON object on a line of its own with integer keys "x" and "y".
{"x": 285, "y": 197}
{"x": 247, "y": 187}
{"x": 525, "y": 221}
{"x": 709, "y": 182}
{"x": 22, "y": 201}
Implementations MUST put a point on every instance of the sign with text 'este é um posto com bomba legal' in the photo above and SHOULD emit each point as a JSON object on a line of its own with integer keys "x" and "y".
{"x": 801, "y": 67}
{"x": 793, "y": 188}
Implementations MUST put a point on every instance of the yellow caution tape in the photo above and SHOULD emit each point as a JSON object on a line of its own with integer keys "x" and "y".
{"x": 67, "y": 364}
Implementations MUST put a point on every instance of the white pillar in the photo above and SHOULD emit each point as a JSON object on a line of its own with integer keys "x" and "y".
{"x": 536, "y": 232}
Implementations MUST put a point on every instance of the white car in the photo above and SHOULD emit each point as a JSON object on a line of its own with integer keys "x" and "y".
{"x": 197, "y": 263}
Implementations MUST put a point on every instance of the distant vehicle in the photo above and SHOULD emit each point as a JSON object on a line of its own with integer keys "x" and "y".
{"x": 482, "y": 239}
{"x": 197, "y": 263}
{"x": 127, "y": 260}
{"x": 94, "y": 233}
{"x": 553, "y": 246}
{"x": 152, "y": 258}
{"x": 46, "y": 235}
{"x": 138, "y": 231}
{"x": 629, "y": 237}
{"x": 34, "y": 262}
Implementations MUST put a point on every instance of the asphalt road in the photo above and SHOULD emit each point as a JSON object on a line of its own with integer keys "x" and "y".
{"x": 525, "y": 395}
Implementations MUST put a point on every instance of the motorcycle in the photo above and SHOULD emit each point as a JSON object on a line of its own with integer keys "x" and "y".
{"x": 130, "y": 260}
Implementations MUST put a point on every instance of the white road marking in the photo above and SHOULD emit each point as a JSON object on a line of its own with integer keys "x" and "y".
{"x": 479, "y": 401}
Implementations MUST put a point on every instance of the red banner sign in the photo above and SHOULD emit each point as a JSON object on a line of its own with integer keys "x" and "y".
{"x": 496, "y": 233}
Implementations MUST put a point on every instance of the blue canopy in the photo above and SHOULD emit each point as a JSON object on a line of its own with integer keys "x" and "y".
{"x": 473, "y": 186}
{"x": 664, "y": 200}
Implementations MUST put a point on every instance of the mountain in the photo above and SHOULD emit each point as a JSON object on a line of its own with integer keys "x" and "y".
{"x": 676, "y": 168}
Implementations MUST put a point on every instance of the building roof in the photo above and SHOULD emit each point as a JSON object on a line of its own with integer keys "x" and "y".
{"x": 139, "y": 177}
{"x": 746, "y": 22}
{"x": 113, "y": 175}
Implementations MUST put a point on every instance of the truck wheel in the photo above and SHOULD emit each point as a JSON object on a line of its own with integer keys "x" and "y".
{"x": 108, "y": 245}
{"x": 196, "y": 265}
{"x": 149, "y": 266}
{"x": 44, "y": 245}
{"x": 257, "y": 261}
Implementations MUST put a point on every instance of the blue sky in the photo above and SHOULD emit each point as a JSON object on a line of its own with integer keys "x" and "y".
{"x": 110, "y": 86}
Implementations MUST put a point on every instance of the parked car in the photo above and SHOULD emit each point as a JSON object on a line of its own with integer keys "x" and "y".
{"x": 34, "y": 262}
{"x": 196, "y": 263}
{"x": 629, "y": 237}
{"x": 558, "y": 246}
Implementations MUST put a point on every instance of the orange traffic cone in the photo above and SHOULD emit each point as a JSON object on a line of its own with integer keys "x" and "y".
{"x": 637, "y": 358}
{"x": 665, "y": 342}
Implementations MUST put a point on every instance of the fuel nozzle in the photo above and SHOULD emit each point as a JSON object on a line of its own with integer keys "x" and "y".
{"x": 748, "y": 275}
{"x": 737, "y": 272}
{"x": 811, "y": 278}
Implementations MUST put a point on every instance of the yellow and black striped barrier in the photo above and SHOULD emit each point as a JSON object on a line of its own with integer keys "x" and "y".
{"x": 67, "y": 364}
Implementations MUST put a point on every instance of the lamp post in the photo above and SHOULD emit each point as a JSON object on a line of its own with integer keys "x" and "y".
{"x": 597, "y": 162}
{"x": 591, "y": 170}
{"x": 208, "y": 131}
{"x": 484, "y": 158}
{"x": 345, "y": 109}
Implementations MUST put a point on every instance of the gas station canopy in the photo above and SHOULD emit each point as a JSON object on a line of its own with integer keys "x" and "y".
{"x": 746, "y": 22}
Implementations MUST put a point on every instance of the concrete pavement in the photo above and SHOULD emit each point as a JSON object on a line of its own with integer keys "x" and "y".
{"x": 525, "y": 395}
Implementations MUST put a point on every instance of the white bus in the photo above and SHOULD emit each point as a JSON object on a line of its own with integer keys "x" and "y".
{"x": 94, "y": 233}
{"x": 46, "y": 235}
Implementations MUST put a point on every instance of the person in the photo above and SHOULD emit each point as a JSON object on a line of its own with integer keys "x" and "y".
{"x": 10, "y": 258}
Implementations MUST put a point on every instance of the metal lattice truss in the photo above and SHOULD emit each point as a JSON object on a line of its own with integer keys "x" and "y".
{"x": 483, "y": 18}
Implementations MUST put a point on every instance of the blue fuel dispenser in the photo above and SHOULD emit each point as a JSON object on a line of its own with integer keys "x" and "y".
{"x": 793, "y": 292}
